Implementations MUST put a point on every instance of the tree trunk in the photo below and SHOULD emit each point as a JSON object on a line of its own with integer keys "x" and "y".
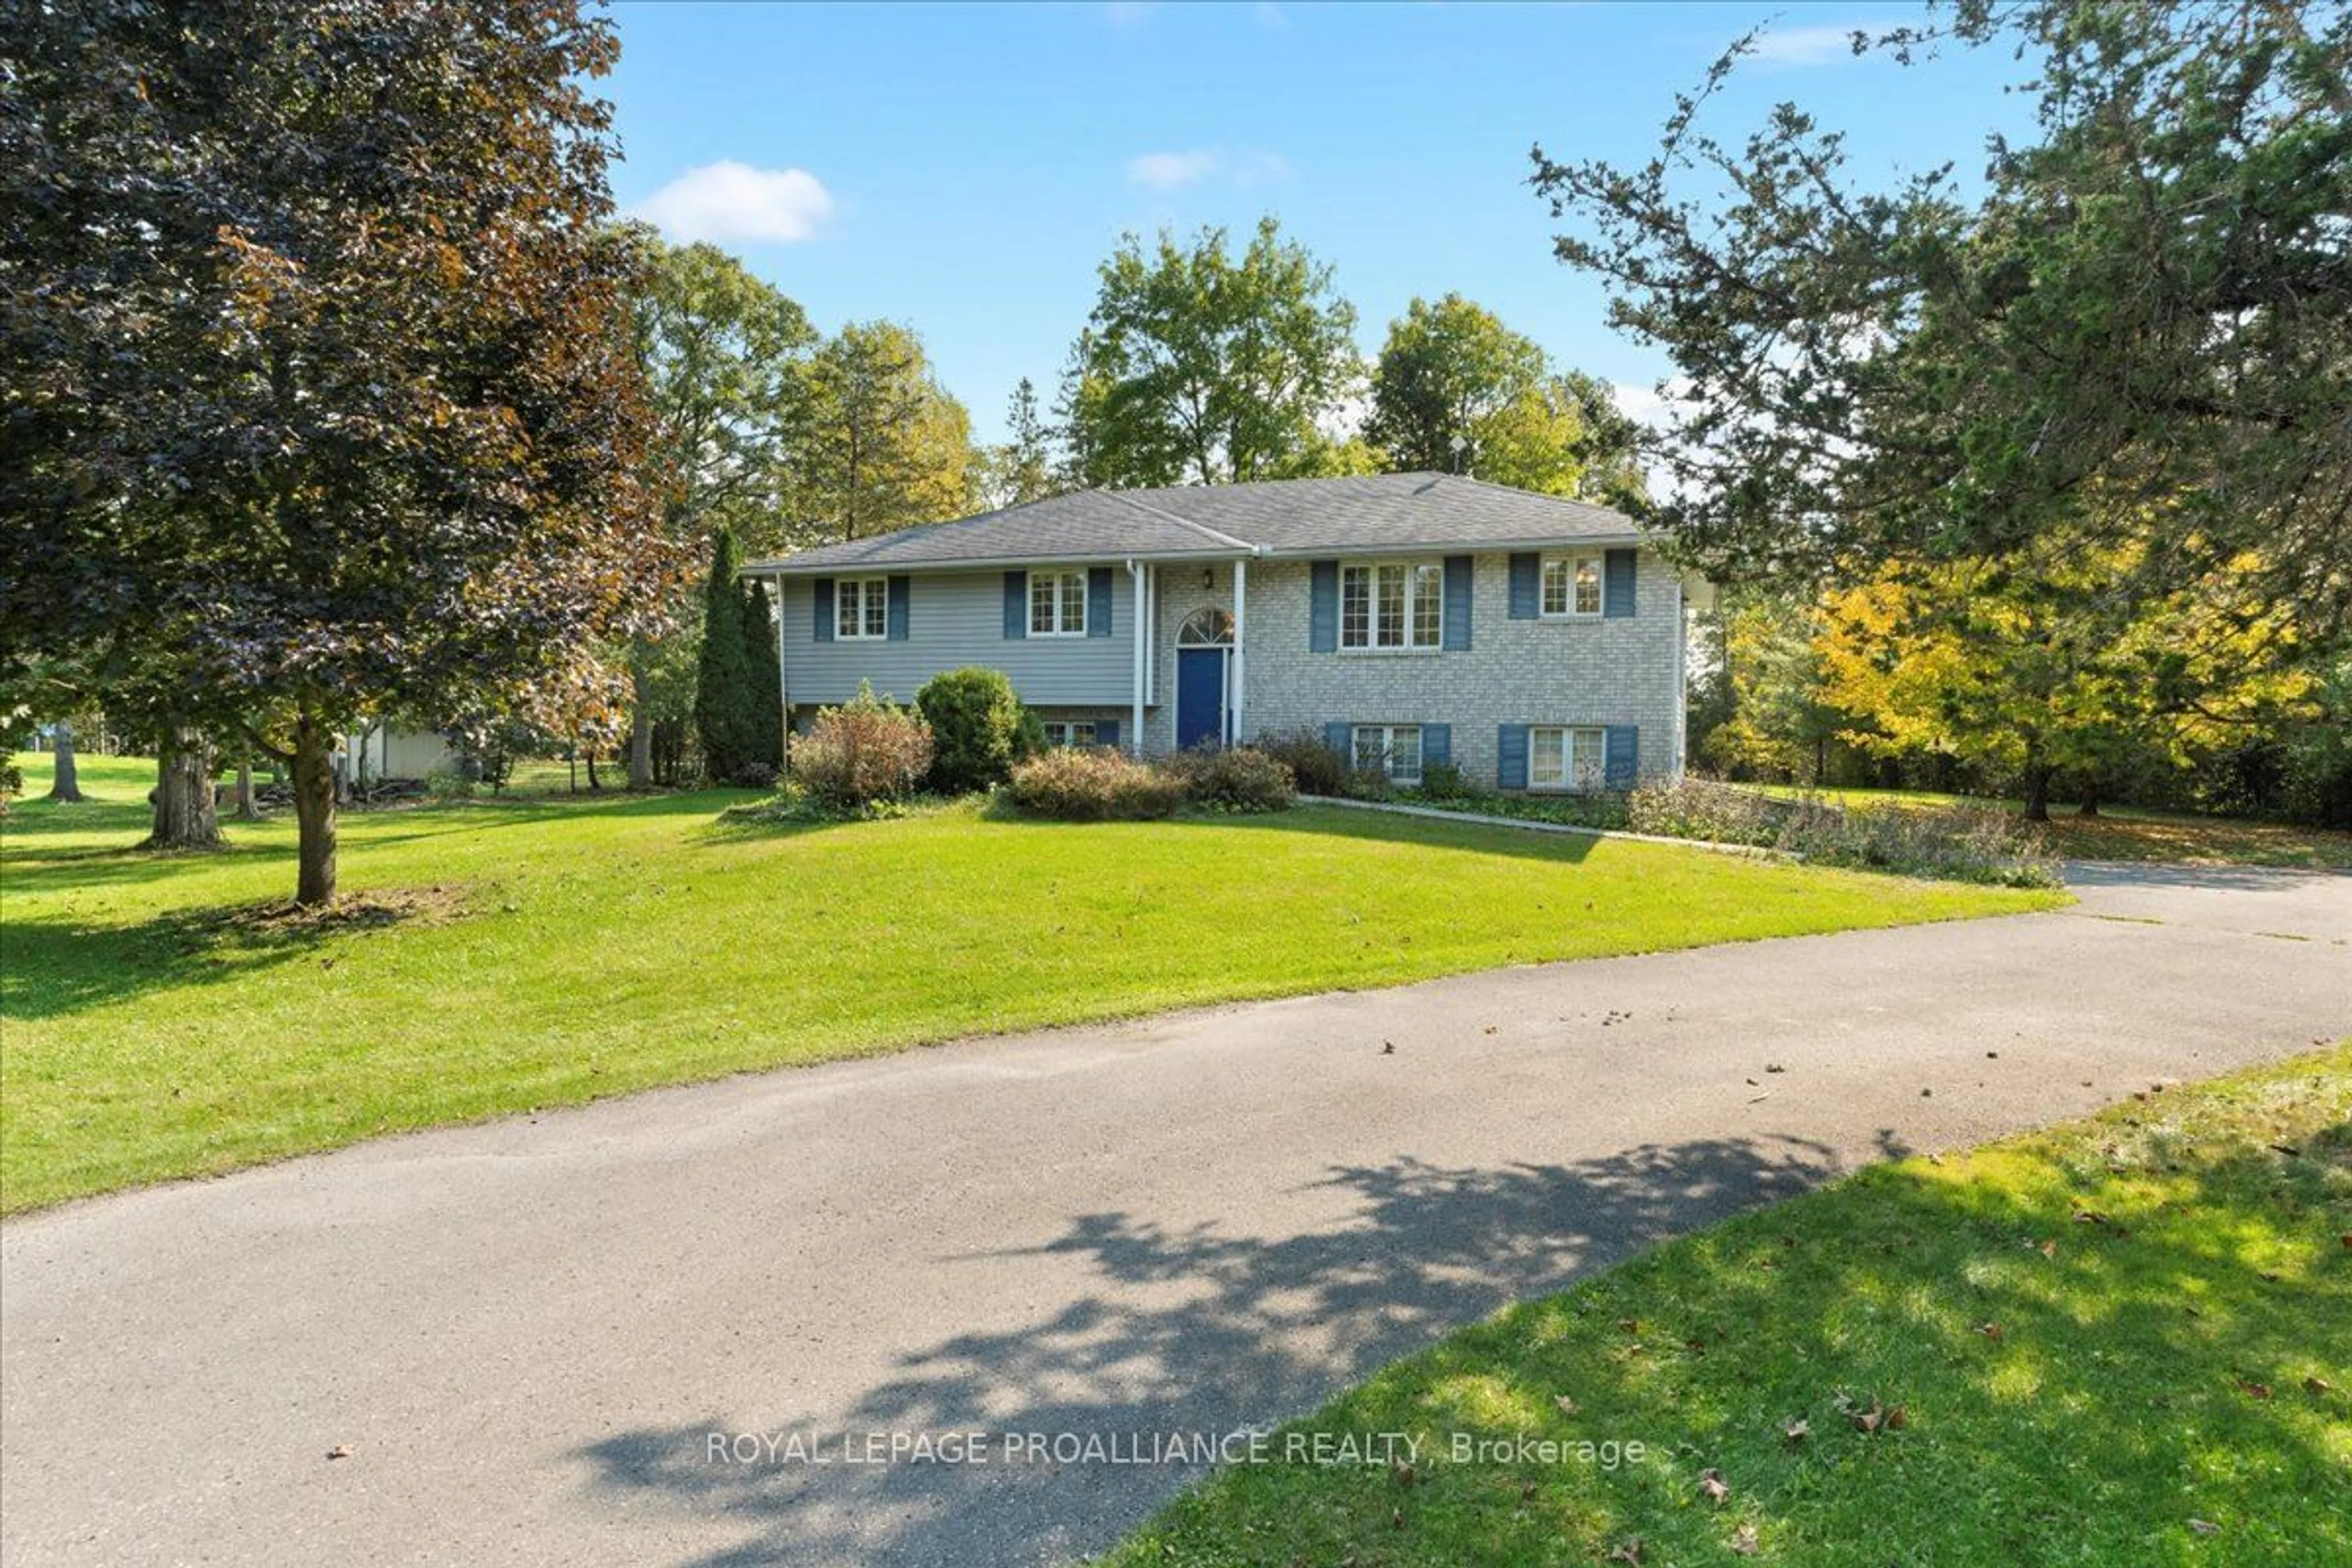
{"x": 66, "y": 784}
{"x": 594, "y": 783}
{"x": 2037, "y": 793}
{"x": 314, "y": 813}
{"x": 246, "y": 809}
{"x": 641, "y": 725}
{"x": 185, "y": 815}
{"x": 2090, "y": 806}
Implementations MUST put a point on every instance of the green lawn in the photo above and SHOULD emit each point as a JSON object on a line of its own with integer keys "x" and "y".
{"x": 2123, "y": 1342}
{"x": 564, "y": 950}
{"x": 2128, "y": 833}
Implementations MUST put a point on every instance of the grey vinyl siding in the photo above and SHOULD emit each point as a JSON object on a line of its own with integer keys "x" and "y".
{"x": 953, "y": 619}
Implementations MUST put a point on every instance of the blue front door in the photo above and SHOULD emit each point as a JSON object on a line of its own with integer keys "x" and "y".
{"x": 1200, "y": 695}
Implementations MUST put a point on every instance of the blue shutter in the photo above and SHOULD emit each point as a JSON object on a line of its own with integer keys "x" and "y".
{"x": 1617, "y": 584}
{"x": 1098, "y": 601}
{"x": 901, "y": 592}
{"x": 1458, "y": 603}
{"x": 1527, "y": 587}
{"x": 824, "y": 587}
{"x": 1436, "y": 743}
{"x": 1340, "y": 736}
{"x": 1106, "y": 732}
{"x": 1016, "y": 603}
{"x": 1323, "y": 611}
{"x": 1620, "y": 755}
{"x": 1511, "y": 756}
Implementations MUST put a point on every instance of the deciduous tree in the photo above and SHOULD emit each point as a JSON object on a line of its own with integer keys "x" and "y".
{"x": 887, "y": 447}
{"x": 1198, "y": 367}
{"x": 316, "y": 358}
{"x": 726, "y": 363}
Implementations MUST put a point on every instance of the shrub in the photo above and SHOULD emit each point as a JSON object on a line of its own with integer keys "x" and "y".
{"x": 1237, "y": 779}
{"x": 862, "y": 751}
{"x": 795, "y": 806}
{"x": 1314, "y": 766}
{"x": 755, "y": 776}
{"x": 979, "y": 729}
{"x": 1090, "y": 783}
{"x": 1444, "y": 781}
{"x": 1967, "y": 844}
{"x": 1702, "y": 808}
{"x": 1963, "y": 844}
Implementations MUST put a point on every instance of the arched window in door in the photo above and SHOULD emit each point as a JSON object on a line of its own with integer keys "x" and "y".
{"x": 1206, "y": 627}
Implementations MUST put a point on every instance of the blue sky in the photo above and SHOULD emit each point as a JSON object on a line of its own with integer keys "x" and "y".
{"x": 963, "y": 169}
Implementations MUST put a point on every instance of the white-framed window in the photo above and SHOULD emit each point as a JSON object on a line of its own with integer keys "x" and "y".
{"x": 1392, "y": 607}
{"x": 1572, "y": 587}
{"x": 861, "y": 608}
{"x": 1391, "y": 749}
{"x": 1057, "y": 604}
{"x": 1566, "y": 757}
{"x": 1070, "y": 731}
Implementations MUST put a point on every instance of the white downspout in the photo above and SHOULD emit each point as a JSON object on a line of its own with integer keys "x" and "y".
{"x": 783, "y": 686}
{"x": 1142, "y": 636}
{"x": 1681, "y": 682}
{"x": 1241, "y": 643}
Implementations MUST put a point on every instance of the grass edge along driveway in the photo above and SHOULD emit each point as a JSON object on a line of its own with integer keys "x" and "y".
{"x": 2123, "y": 1340}
{"x": 563, "y": 951}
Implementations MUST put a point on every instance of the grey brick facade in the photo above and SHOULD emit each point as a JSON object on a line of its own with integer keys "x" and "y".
{"x": 1623, "y": 672}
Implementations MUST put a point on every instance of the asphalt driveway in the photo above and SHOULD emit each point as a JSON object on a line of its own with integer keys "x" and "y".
{"x": 615, "y": 1335}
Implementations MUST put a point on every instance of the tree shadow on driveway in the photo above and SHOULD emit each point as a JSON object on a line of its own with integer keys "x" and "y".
{"x": 1191, "y": 1331}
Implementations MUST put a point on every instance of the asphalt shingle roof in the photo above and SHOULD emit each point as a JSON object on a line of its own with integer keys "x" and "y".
{"x": 1282, "y": 517}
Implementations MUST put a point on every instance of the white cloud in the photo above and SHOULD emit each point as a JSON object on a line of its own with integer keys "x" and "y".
{"x": 1173, "y": 171}
{"x": 1650, "y": 405}
{"x": 1167, "y": 170}
{"x": 1815, "y": 46}
{"x": 732, "y": 201}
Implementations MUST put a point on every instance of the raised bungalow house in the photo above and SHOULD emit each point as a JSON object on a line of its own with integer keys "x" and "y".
{"x": 1536, "y": 643}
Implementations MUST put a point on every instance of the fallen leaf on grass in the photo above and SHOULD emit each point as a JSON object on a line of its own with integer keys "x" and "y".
{"x": 1627, "y": 1552}
{"x": 1711, "y": 1485}
{"x": 2204, "y": 1527}
{"x": 1566, "y": 1406}
{"x": 1796, "y": 1431}
{"x": 1743, "y": 1541}
{"x": 2048, "y": 1249}
{"x": 1878, "y": 1417}
{"x": 2316, "y": 1385}
{"x": 2254, "y": 1390}
{"x": 1990, "y": 1332}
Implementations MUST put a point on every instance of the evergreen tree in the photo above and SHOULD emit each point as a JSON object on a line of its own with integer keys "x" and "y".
{"x": 723, "y": 685}
{"x": 764, "y": 718}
